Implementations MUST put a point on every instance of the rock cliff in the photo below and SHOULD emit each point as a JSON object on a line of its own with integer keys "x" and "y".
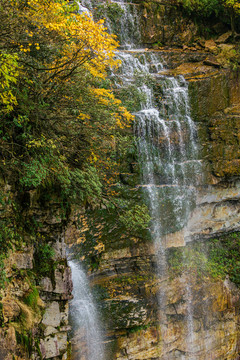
{"x": 122, "y": 263}
{"x": 36, "y": 281}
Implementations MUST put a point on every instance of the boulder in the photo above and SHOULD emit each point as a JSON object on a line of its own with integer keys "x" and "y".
{"x": 226, "y": 47}
{"x": 224, "y": 37}
{"x": 22, "y": 259}
{"x": 210, "y": 45}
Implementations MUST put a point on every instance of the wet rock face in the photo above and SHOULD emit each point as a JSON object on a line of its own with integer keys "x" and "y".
{"x": 215, "y": 107}
{"x": 214, "y": 96}
{"x": 125, "y": 278}
{"x": 131, "y": 297}
{"x": 124, "y": 274}
{"x": 162, "y": 25}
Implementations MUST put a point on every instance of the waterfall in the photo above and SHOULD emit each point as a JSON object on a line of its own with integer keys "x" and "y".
{"x": 168, "y": 154}
{"x": 170, "y": 170}
{"x": 166, "y": 139}
{"x": 130, "y": 34}
{"x": 87, "y": 340}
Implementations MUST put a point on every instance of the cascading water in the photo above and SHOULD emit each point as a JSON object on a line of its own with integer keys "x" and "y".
{"x": 168, "y": 153}
{"x": 87, "y": 340}
{"x": 170, "y": 169}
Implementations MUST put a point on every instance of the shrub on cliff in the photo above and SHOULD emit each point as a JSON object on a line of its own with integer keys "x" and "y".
{"x": 226, "y": 10}
{"x": 202, "y": 7}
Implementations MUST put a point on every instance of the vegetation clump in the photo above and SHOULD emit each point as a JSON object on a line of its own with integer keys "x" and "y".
{"x": 216, "y": 258}
{"x": 223, "y": 9}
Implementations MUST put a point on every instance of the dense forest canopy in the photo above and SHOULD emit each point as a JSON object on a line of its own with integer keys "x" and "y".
{"x": 59, "y": 118}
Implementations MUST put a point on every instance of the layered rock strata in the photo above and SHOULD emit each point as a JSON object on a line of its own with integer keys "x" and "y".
{"x": 123, "y": 268}
{"x": 36, "y": 288}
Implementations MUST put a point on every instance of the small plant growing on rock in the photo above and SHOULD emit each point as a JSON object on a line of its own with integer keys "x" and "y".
{"x": 136, "y": 219}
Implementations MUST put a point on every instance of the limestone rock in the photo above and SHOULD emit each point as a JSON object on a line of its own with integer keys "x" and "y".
{"x": 49, "y": 347}
{"x": 210, "y": 45}
{"x": 64, "y": 314}
{"x": 52, "y": 315}
{"x": 50, "y": 330}
{"x": 22, "y": 259}
{"x": 3, "y": 353}
{"x": 226, "y": 47}
{"x": 11, "y": 341}
{"x": 224, "y": 37}
{"x": 63, "y": 279}
{"x": 59, "y": 248}
{"x": 53, "y": 346}
{"x": 212, "y": 62}
{"x": 46, "y": 284}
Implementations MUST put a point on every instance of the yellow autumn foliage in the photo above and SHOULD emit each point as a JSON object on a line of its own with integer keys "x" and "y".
{"x": 81, "y": 43}
{"x": 84, "y": 40}
{"x": 61, "y": 125}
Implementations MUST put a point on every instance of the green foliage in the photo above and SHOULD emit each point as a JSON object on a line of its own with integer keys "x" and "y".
{"x": 136, "y": 219}
{"x": 132, "y": 97}
{"x": 45, "y": 252}
{"x": 232, "y": 8}
{"x": 224, "y": 257}
{"x": 10, "y": 232}
{"x": 8, "y": 77}
{"x": 216, "y": 258}
{"x": 3, "y": 277}
{"x": 138, "y": 328}
{"x": 190, "y": 258}
{"x": 57, "y": 131}
{"x": 7, "y": 234}
{"x": 25, "y": 339}
{"x": 202, "y": 7}
{"x": 86, "y": 184}
{"x": 232, "y": 4}
{"x": 35, "y": 173}
{"x": 44, "y": 259}
{"x": 113, "y": 12}
{"x": 227, "y": 11}
{"x": 32, "y": 298}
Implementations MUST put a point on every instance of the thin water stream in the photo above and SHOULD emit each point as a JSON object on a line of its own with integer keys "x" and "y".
{"x": 87, "y": 341}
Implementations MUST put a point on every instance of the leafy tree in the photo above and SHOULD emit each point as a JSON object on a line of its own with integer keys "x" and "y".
{"x": 59, "y": 121}
{"x": 233, "y": 9}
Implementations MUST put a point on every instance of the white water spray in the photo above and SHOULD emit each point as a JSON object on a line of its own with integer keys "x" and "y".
{"x": 87, "y": 340}
{"x": 168, "y": 152}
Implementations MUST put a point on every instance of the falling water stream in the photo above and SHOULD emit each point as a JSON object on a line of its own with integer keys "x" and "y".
{"x": 83, "y": 315}
{"x": 168, "y": 154}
